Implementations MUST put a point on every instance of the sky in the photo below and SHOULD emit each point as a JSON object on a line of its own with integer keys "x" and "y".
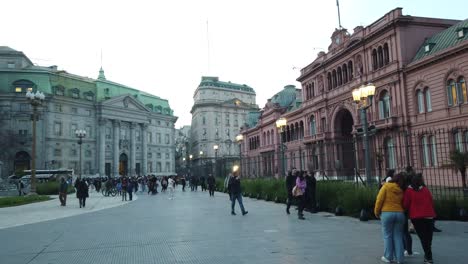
{"x": 161, "y": 47}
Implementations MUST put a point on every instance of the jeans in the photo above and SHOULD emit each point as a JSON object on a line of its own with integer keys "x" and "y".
{"x": 392, "y": 231}
{"x": 424, "y": 229}
{"x": 238, "y": 197}
{"x": 211, "y": 189}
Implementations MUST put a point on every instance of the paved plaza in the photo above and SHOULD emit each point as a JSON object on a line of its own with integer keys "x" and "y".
{"x": 196, "y": 228}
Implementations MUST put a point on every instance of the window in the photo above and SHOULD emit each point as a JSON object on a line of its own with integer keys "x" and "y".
{"x": 389, "y": 149}
{"x": 158, "y": 138}
{"x": 88, "y": 131}
{"x": 73, "y": 128}
{"x": 334, "y": 80}
{"x": 138, "y": 137}
{"x": 323, "y": 124}
{"x": 23, "y": 86}
{"x": 87, "y": 112}
{"x": 75, "y": 93}
{"x": 420, "y": 97}
{"x": 57, "y": 152}
{"x": 168, "y": 166}
{"x": 167, "y": 155}
{"x": 108, "y": 133}
{"x": 374, "y": 60}
{"x": 74, "y": 110}
{"x": 329, "y": 80}
{"x": 18, "y": 89}
{"x": 58, "y": 108}
{"x": 460, "y": 33}
{"x": 425, "y": 152}
{"x": 384, "y": 105}
{"x": 73, "y": 152}
{"x": 11, "y": 65}
{"x": 24, "y": 107}
{"x": 350, "y": 69}
{"x": 57, "y": 128}
{"x": 380, "y": 57}
{"x": 89, "y": 96}
{"x": 386, "y": 54}
{"x": 150, "y": 137}
{"x": 462, "y": 90}
{"x": 23, "y": 132}
{"x": 203, "y": 120}
{"x": 167, "y": 140}
{"x": 432, "y": 141}
{"x": 150, "y": 155}
{"x": 59, "y": 90}
{"x": 427, "y": 94}
{"x": 312, "y": 126}
{"x": 88, "y": 153}
{"x": 340, "y": 79}
{"x": 458, "y": 141}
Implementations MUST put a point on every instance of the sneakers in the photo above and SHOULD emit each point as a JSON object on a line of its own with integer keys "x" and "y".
{"x": 384, "y": 259}
{"x": 412, "y": 254}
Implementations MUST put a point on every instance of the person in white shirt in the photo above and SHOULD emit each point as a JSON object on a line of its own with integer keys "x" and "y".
{"x": 171, "y": 182}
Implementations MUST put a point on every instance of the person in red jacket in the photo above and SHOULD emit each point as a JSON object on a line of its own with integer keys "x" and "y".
{"x": 417, "y": 200}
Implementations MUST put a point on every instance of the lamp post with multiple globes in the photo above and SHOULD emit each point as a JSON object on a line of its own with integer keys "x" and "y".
{"x": 280, "y": 125}
{"x": 36, "y": 100}
{"x": 80, "y": 134}
{"x": 239, "y": 140}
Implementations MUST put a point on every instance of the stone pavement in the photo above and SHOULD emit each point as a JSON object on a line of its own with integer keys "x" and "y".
{"x": 50, "y": 210}
{"x": 196, "y": 228}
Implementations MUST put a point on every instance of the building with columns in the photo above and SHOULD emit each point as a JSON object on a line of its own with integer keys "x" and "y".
{"x": 418, "y": 114}
{"x": 219, "y": 110}
{"x": 129, "y": 132}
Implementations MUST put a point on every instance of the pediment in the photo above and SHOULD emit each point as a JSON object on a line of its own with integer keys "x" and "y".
{"x": 125, "y": 101}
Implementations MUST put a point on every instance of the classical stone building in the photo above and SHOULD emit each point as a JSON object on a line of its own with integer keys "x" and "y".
{"x": 418, "y": 66}
{"x": 129, "y": 132}
{"x": 218, "y": 112}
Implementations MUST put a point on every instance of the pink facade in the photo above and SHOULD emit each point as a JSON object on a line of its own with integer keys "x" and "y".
{"x": 323, "y": 132}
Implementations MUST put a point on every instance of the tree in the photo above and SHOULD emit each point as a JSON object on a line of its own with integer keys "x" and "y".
{"x": 460, "y": 161}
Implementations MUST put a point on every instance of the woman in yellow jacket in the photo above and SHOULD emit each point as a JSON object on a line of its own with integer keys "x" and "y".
{"x": 389, "y": 208}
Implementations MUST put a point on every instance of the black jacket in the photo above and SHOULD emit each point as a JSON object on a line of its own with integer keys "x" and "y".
{"x": 290, "y": 182}
{"x": 81, "y": 189}
{"x": 211, "y": 181}
{"x": 234, "y": 185}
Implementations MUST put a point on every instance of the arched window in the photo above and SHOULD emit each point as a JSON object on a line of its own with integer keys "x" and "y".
{"x": 301, "y": 129}
{"x": 374, "y": 59}
{"x": 420, "y": 97}
{"x": 334, "y": 78}
{"x": 268, "y": 137}
{"x": 380, "y": 56}
{"x": 452, "y": 93}
{"x": 427, "y": 95}
{"x": 22, "y": 86}
{"x": 350, "y": 70}
{"x": 345, "y": 73}
{"x": 75, "y": 93}
{"x": 313, "y": 125}
{"x": 386, "y": 54}
{"x": 389, "y": 149}
{"x": 340, "y": 79}
{"x": 312, "y": 90}
{"x": 384, "y": 105}
{"x": 329, "y": 79}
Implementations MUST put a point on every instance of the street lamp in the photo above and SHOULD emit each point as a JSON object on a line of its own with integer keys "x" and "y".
{"x": 35, "y": 99}
{"x": 239, "y": 139}
{"x": 80, "y": 134}
{"x": 362, "y": 96}
{"x": 280, "y": 124}
{"x": 215, "y": 147}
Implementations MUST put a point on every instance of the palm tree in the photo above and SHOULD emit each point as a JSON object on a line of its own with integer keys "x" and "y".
{"x": 460, "y": 161}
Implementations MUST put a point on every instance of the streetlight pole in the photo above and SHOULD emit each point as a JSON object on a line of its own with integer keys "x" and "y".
{"x": 190, "y": 164}
{"x": 80, "y": 134}
{"x": 362, "y": 96}
{"x": 35, "y": 99}
{"x": 280, "y": 124}
{"x": 215, "y": 147}
{"x": 239, "y": 139}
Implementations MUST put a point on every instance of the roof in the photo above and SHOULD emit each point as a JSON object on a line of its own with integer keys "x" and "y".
{"x": 252, "y": 118}
{"x": 6, "y": 49}
{"x": 443, "y": 40}
{"x": 285, "y": 97}
{"x": 215, "y": 82}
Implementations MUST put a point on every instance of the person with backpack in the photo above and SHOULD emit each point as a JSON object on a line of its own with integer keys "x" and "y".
{"x": 418, "y": 202}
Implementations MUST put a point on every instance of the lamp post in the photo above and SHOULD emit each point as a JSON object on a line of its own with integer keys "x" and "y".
{"x": 362, "y": 96}
{"x": 35, "y": 99}
{"x": 80, "y": 134}
{"x": 215, "y": 147}
{"x": 280, "y": 124}
{"x": 239, "y": 139}
{"x": 190, "y": 164}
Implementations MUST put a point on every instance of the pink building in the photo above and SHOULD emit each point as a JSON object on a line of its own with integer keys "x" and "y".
{"x": 409, "y": 60}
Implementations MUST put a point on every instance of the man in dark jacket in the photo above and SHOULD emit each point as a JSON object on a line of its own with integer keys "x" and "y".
{"x": 81, "y": 191}
{"x": 63, "y": 192}
{"x": 211, "y": 184}
{"x": 310, "y": 192}
{"x": 235, "y": 190}
{"x": 290, "y": 183}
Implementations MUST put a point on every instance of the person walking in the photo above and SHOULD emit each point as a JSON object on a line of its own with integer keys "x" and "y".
{"x": 21, "y": 188}
{"x": 310, "y": 192}
{"x": 407, "y": 239}
{"x": 130, "y": 189}
{"x": 420, "y": 206}
{"x": 183, "y": 182}
{"x": 227, "y": 180}
{"x": 389, "y": 208}
{"x": 171, "y": 184}
{"x": 235, "y": 190}
{"x": 290, "y": 182}
{"x": 299, "y": 193}
{"x": 203, "y": 183}
{"x": 81, "y": 191}
{"x": 211, "y": 184}
{"x": 63, "y": 192}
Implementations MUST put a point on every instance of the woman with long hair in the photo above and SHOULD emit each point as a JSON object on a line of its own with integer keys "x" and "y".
{"x": 389, "y": 208}
{"x": 418, "y": 201}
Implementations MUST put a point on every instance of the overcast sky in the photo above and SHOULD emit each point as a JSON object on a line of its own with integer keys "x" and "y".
{"x": 161, "y": 46}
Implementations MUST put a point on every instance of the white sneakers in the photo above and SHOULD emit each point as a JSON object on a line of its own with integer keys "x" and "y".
{"x": 384, "y": 259}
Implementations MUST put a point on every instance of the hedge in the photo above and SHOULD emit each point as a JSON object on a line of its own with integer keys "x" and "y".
{"x": 350, "y": 197}
{"x": 51, "y": 188}
{"x": 21, "y": 200}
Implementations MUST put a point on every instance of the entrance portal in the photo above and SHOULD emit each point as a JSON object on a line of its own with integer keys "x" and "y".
{"x": 344, "y": 145}
{"x": 123, "y": 164}
{"x": 22, "y": 161}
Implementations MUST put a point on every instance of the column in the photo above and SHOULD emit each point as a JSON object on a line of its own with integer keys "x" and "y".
{"x": 116, "y": 149}
{"x": 102, "y": 146}
{"x": 132, "y": 149}
{"x": 144, "y": 135}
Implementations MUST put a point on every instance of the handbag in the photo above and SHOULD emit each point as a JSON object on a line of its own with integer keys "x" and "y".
{"x": 296, "y": 191}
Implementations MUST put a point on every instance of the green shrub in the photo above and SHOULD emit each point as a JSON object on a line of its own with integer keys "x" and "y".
{"x": 51, "y": 188}
{"x": 21, "y": 200}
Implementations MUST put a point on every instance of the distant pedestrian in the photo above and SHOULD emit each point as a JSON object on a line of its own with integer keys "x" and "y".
{"x": 211, "y": 184}
{"x": 203, "y": 183}
{"x": 290, "y": 182}
{"x": 299, "y": 193}
{"x": 310, "y": 203}
{"x": 21, "y": 188}
{"x": 124, "y": 188}
{"x": 130, "y": 190}
{"x": 418, "y": 201}
{"x": 389, "y": 208}
{"x": 63, "y": 187}
{"x": 183, "y": 182}
{"x": 171, "y": 183}
{"x": 82, "y": 191}
{"x": 235, "y": 190}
